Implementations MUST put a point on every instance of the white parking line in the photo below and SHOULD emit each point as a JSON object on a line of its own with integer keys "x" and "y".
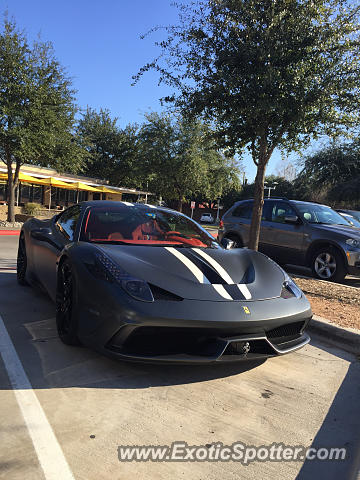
{"x": 48, "y": 450}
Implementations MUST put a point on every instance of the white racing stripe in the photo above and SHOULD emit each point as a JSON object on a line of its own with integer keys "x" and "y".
{"x": 220, "y": 270}
{"x": 244, "y": 290}
{"x": 223, "y": 273}
{"x": 189, "y": 264}
{"x": 221, "y": 291}
{"x": 47, "y": 448}
{"x": 129, "y": 204}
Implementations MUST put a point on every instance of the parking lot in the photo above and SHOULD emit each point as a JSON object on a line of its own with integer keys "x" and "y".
{"x": 91, "y": 405}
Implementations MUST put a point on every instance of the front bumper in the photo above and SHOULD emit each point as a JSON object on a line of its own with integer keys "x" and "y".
{"x": 353, "y": 261}
{"x": 191, "y": 331}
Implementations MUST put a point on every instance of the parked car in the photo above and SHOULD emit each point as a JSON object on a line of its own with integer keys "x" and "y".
{"x": 353, "y": 213}
{"x": 207, "y": 218}
{"x": 144, "y": 283}
{"x": 354, "y": 222}
{"x": 298, "y": 233}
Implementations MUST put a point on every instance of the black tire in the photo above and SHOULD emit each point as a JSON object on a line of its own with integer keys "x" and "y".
{"x": 237, "y": 240}
{"x": 66, "y": 305}
{"x": 21, "y": 263}
{"x": 327, "y": 263}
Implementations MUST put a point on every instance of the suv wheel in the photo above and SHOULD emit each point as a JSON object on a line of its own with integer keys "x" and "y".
{"x": 328, "y": 264}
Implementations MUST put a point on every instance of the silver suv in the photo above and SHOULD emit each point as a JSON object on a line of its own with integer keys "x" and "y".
{"x": 298, "y": 233}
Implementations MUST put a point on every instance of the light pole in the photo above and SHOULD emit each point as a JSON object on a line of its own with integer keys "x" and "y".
{"x": 270, "y": 188}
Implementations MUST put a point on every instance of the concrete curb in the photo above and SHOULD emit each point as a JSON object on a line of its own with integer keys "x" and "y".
{"x": 346, "y": 338}
{"x": 9, "y": 232}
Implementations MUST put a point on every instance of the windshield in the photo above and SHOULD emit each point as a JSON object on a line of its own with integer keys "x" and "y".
{"x": 139, "y": 225}
{"x": 352, "y": 220}
{"x": 320, "y": 214}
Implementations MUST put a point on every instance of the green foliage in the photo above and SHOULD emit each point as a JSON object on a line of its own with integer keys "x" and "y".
{"x": 285, "y": 70}
{"x": 31, "y": 208}
{"x": 335, "y": 170}
{"x": 332, "y": 165}
{"x": 111, "y": 152}
{"x": 182, "y": 161}
{"x": 36, "y": 108}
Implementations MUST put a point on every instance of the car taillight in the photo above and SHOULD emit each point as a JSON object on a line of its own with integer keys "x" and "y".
{"x": 221, "y": 224}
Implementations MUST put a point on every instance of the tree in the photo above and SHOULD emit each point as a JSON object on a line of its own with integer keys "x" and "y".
{"x": 335, "y": 171}
{"x": 111, "y": 152}
{"x": 181, "y": 160}
{"x": 268, "y": 74}
{"x": 36, "y": 109}
{"x": 334, "y": 164}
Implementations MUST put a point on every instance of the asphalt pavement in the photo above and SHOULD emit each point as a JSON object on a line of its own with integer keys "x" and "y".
{"x": 65, "y": 410}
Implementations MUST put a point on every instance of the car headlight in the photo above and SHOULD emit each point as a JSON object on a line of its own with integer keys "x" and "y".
{"x": 290, "y": 289}
{"x": 105, "y": 269}
{"x": 353, "y": 242}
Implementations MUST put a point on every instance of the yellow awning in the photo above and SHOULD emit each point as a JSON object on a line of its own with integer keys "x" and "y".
{"x": 29, "y": 179}
{"x": 106, "y": 190}
{"x": 51, "y": 181}
{"x": 54, "y": 182}
{"x": 84, "y": 187}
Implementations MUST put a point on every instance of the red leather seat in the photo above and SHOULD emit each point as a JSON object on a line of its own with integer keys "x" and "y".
{"x": 147, "y": 231}
{"x": 116, "y": 236}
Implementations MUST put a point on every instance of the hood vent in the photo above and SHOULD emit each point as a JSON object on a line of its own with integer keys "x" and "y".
{"x": 161, "y": 294}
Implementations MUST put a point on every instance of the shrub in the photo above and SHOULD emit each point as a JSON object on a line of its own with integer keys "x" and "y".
{"x": 32, "y": 208}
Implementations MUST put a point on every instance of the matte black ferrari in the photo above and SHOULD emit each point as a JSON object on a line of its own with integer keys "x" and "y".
{"x": 147, "y": 283}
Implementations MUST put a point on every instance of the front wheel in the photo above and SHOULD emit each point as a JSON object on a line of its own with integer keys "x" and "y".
{"x": 21, "y": 264}
{"x": 328, "y": 264}
{"x": 65, "y": 305}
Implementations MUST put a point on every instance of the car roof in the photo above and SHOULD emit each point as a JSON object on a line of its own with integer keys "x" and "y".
{"x": 111, "y": 203}
{"x": 345, "y": 210}
{"x": 309, "y": 203}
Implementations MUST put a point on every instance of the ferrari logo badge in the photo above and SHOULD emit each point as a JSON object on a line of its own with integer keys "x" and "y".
{"x": 246, "y": 310}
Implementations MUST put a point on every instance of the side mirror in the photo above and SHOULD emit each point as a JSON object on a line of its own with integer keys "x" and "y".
{"x": 291, "y": 219}
{"x": 227, "y": 243}
{"x": 42, "y": 234}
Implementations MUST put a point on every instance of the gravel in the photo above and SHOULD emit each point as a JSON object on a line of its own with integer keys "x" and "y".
{"x": 338, "y": 303}
{"x": 4, "y": 223}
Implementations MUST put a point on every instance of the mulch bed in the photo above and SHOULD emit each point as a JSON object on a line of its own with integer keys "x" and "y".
{"x": 338, "y": 303}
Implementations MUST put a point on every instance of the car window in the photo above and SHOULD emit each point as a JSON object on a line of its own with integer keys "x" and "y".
{"x": 280, "y": 210}
{"x": 68, "y": 220}
{"x": 138, "y": 225}
{"x": 320, "y": 214}
{"x": 243, "y": 211}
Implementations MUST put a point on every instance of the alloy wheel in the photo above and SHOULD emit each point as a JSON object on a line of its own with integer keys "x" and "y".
{"x": 21, "y": 263}
{"x": 325, "y": 265}
{"x": 64, "y": 298}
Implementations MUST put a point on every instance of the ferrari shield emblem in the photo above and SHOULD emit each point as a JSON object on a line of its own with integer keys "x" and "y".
{"x": 246, "y": 310}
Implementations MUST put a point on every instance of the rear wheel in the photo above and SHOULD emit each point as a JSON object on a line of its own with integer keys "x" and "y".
{"x": 328, "y": 264}
{"x": 65, "y": 305}
{"x": 21, "y": 264}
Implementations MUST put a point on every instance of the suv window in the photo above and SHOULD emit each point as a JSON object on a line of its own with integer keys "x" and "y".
{"x": 243, "y": 211}
{"x": 279, "y": 210}
{"x": 68, "y": 220}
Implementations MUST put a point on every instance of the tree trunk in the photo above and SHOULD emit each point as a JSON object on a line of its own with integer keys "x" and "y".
{"x": 180, "y": 205}
{"x": 10, "y": 195}
{"x": 12, "y": 184}
{"x": 258, "y": 196}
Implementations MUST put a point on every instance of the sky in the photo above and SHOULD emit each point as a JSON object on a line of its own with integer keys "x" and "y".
{"x": 99, "y": 44}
